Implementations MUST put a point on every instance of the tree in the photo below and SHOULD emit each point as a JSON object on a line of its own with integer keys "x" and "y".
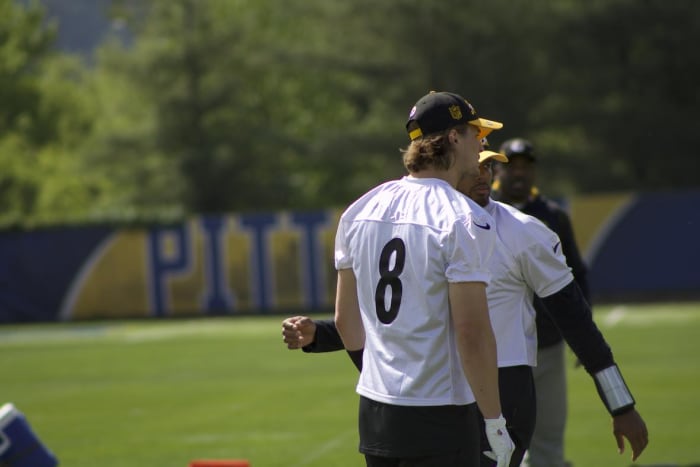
{"x": 632, "y": 90}
{"x": 217, "y": 106}
{"x": 252, "y": 103}
{"x": 24, "y": 123}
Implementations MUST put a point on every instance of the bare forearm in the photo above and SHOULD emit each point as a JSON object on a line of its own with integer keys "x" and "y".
{"x": 476, "y": 344}
{"x": 348, "y": 319}
{"x": 478, "y": 354}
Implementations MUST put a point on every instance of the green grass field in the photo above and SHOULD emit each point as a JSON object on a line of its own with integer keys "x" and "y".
{"x": 162, "y": 393}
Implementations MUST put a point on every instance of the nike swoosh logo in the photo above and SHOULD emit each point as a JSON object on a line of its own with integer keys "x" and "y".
{"x": 555, "y": 247}
{"x": 485, "y": 226}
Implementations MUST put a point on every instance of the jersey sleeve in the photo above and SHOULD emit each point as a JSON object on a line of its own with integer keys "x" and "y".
{"x": 542, "y": 262}
{"x": 343, "y": 260}
{"x": 468, "y": 251}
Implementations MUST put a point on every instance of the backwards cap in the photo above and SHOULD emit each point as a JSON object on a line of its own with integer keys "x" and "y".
{"x": 439, "y": 111}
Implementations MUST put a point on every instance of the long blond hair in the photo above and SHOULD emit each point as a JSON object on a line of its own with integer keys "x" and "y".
{"x": 431, "y": 151}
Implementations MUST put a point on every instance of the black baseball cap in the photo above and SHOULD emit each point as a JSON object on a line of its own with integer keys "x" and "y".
{"x": 438, "y": 111}
{"x": 518, "y": 147}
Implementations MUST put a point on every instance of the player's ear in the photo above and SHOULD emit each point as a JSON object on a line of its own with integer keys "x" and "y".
{"x": 453, "y": 136}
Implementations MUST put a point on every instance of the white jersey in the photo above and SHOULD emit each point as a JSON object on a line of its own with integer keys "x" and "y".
{"x": 527, "y": 260}
{"x": 405, "y": 240}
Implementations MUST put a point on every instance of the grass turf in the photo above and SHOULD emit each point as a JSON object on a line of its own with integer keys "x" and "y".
{"x": 164, "y": 392}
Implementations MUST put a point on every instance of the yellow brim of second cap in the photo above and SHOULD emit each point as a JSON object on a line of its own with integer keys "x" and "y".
{"x": 486, "y": 155}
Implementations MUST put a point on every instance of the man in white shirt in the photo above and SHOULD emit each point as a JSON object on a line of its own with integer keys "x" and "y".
{"x": 514, "y": 184}
{"x": 411, "y": 256}
{"x": 527, "y": 260}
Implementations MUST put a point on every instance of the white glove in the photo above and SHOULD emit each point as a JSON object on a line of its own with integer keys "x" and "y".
{"x": 501, "y": 445}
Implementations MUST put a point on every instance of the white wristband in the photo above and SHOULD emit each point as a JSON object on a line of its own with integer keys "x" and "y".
{"x": 613, "y": 390}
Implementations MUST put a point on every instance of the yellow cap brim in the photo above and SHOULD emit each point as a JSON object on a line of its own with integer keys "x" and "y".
{"x": 486, "y": 155}
{"x": 486, "y": 126}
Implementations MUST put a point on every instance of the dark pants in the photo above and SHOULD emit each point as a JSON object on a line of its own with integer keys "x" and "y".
{"x": 519, "y": 406}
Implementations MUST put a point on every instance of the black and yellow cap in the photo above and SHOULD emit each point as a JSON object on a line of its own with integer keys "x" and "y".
{"x": 438, "y": 111}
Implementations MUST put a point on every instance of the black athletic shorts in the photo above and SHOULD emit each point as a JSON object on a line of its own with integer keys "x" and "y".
{"x": 458, "y": 459}
{"x": 429, "y": 436}
{"x": 518, "y": 404}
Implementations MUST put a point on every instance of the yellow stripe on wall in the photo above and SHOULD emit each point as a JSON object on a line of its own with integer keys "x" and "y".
{"x": 590, "y": 214}
{"x": 116, "y": 284}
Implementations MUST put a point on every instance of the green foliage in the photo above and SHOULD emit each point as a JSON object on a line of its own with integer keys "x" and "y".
{"x": 295, "y": 109}
{"x": 24, "y": 43}
{"x": 47, "y": 116}
{"x": 22, "y": 47}
{"x": 624, "y": 91}
{"x": 123, "y": 394}
{"x": 200, "y": 106}
{"x": 254, "y": 103}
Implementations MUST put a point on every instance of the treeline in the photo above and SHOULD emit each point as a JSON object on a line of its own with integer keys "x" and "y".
{"x": 220, "y": 105}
